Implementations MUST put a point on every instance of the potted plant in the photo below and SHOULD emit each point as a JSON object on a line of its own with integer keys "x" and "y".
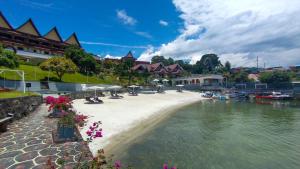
{"x": 57, "y": 105}
{"x": 66, "y": 128}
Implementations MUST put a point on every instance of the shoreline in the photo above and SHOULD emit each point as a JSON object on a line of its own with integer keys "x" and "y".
{"x": 124, "y": 120}
{"x": 118, "y": 145}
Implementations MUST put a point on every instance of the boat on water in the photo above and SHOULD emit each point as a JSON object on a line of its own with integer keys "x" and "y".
{"x": 274, "y": 96}
{"x": 207, "y": 94}
{"x": 220, "y": 96}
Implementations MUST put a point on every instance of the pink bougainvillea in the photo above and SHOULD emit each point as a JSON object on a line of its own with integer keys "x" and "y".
{"x": 60, "y": 103}
{"x": 118, "y": 165}
{"x": 94, "y": 131}
{"x": 165, "y": 166}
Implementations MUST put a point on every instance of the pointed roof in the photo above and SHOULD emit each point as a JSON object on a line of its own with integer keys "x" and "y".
{"x": 173, "y": 67}
{"x": 29, "y": 28}
{"x": 129, "y": 55}
{"x": 73, "y": 40}
{"x": 3, "y": 22}
{"x": 53, "y": 35}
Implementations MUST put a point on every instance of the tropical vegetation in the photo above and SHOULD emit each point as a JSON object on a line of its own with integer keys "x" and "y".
{"x": 59, "y": 65}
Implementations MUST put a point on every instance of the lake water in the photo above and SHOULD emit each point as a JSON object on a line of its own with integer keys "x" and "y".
{"x": 218, "y": 135}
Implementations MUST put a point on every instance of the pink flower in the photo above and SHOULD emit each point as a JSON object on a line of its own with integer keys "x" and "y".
{"x": 98, "y": 134}
{"x": 89, "y": 133}
{"x": 117, "y": 164}
{"x": 92, "y": 128}
{"x": 165, "y": 166}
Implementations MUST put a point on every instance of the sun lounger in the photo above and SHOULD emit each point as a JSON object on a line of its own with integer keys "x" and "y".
{"x": 98, "y": 100}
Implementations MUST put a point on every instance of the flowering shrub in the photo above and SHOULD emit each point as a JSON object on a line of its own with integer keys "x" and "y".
{"x": 94, "y": 131}
{"x": 60, "y": 103}
{"x": 80, "y": 119}
{"x": 67, "y": 118}
{"x": 165, "y": 166}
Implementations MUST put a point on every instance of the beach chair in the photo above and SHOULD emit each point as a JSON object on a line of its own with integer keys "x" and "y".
{"x": 89, "y": 100}
{"x": 98, "y": 100}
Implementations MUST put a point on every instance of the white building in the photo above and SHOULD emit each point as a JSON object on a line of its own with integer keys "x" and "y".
{"x": 199, "y": 79}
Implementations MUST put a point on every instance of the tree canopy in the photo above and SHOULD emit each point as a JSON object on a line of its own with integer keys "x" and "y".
{"x": 8, "y": 58}
{"x": 59, "y": 65}
{"x": 162, "y": 59}
{"x": 209, "y": 63}
{"x": 275, "y": 77}
{"x": 85, "y": 62}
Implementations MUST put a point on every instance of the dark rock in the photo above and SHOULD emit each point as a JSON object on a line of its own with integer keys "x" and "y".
{"x": 24, "y": 165}
{"x": 6, "y": 162}
{"x": 36, "y": 147}
{"x": 10, "y": 154}
{"x": 26, "y": 156}
{"x": 48, "y": 151}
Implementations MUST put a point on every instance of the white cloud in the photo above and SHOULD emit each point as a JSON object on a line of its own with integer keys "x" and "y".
{"x": 125, "y": 19}
{"x": 163, "y": 23}
{"x": 237, "y": 31}
{"x": 113, "y": 45}
{"x": 112, "y": 57}
{"x": 144, "y": 34}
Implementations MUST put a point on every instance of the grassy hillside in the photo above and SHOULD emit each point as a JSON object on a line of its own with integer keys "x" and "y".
{"x": 34, "y": 73}
{"x": 13, "y": 94}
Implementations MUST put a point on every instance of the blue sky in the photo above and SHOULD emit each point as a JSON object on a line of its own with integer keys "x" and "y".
{"x": 101, "y": 25}
{"x": 236, "y": 30}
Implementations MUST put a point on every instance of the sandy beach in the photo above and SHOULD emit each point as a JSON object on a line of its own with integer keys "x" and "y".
{"x": 127, "y": 118}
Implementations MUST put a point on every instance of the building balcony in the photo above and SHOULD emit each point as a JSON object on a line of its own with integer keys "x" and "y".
{"x": 33, "y": 55}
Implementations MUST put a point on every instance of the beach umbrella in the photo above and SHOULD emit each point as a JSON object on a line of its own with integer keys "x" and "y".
{"x": 165, "y": 80}
{"x": 179, "y": 85}
{"x": 95, "y": 88}
{"x": 133, "y": 87}
{"x": 155, "y": 80}
{"x": 115, "y": 87}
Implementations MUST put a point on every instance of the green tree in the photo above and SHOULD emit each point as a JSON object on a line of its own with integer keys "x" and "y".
{"x": 240, "y": 77}
{"x": 162, "y": 59}
{"x": 84, "y": 61}
{"x": 185, "y": 65}
{"x": 8, "y": 58}
{"x": 125, "y": 70}
{"x": 59, "y": 65}
{"x": 209, "y": 63}
{"x": 275, "y": 77}
{"x": 227, "y": 66}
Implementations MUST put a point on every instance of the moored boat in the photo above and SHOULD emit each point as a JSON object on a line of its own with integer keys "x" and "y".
{"x": 274, "y": 96}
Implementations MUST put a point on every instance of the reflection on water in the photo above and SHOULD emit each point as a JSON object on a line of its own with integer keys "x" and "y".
{"x": 216, "y": 134}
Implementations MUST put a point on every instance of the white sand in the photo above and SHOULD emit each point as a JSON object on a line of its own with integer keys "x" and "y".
{"x": 120, "y": 116}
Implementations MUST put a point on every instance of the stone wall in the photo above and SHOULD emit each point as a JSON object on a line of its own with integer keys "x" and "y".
{"x": 20, "y": 106}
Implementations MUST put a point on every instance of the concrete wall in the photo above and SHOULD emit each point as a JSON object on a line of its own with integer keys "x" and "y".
{"x": 36, "y": 86}
{"x": 20, "y": 106}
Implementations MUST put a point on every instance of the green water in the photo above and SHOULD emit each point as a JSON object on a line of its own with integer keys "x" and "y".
{"x": 220, "y": 135}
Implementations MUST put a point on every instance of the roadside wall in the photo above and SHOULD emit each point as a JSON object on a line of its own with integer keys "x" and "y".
{"x": 20, "y": 106}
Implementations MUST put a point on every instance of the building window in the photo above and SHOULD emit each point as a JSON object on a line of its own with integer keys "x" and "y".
{"x": 46, "y": 52}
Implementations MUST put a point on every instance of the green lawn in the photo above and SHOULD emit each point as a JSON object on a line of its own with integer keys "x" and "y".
{"x": 34, "y": 73}
{"x": 13, "y": 94}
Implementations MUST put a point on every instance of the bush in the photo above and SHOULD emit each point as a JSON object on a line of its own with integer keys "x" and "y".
{"x": 8, "y": 58}
{"x": 275, "y": 77}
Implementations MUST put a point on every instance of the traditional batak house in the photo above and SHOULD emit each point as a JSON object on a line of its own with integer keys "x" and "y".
{"x": 159, "y": 70}
{"x": 129, "y": 56}
{"x": 27, "y": 41}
